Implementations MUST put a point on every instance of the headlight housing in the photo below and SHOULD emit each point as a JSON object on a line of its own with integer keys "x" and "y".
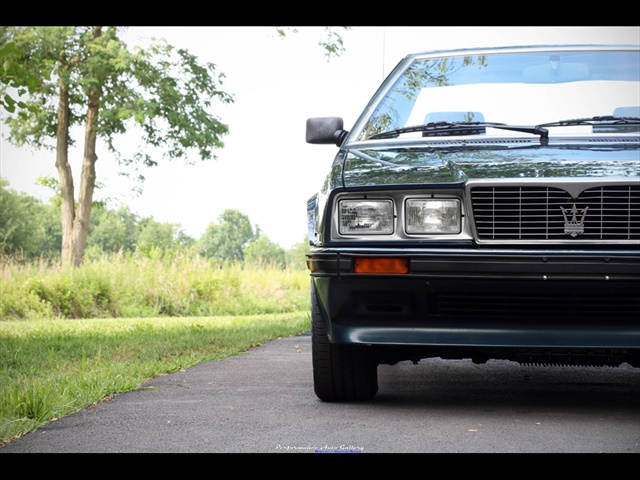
{"x": 399, "y": 215}
{"x": 433, "y": 216}
{"x": 371, "y": 217}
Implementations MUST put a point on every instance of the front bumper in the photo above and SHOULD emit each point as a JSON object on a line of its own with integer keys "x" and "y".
{"x": 489, "y": 299}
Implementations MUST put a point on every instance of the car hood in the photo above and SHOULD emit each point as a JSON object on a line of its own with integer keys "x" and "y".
{"x": 372, "y": 167}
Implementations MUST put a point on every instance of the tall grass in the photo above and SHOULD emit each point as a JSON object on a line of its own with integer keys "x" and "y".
{"x": 172, "y": 283}
{"x": 73, "y": 337}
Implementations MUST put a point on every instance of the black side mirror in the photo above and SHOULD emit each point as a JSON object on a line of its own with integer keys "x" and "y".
{"x": 325, "y": 130}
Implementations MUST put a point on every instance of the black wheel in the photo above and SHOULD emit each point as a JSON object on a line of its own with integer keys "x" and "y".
{"x": 340, "y": 372}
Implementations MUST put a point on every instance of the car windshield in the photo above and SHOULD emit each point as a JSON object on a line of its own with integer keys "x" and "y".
{"x": 513, "y": 88}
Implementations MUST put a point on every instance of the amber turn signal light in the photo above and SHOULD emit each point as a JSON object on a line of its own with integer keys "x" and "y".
{"x": 381, "y": 265}
{"x": 311, "y": 265}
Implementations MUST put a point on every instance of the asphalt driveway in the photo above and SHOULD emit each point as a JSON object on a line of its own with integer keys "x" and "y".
{"x": 263, "y": 402}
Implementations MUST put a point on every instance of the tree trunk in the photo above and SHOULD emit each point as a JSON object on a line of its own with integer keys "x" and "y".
{"x": 87, "y": 181}
{"x": 88, "y": 176}
{"x": 75, "y": 223}
{"x": 65, "y": 174}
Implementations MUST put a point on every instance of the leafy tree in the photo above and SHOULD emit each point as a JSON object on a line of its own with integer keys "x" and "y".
{"x": 227, "y": 239}
{"x": 113, "y": 230}
{"x": 261, "y": 250}
{"x": 163, "y": 236}
{"x": 332, "y": 43}
{"x": 47, "y": 218}
{"x": 86, "y": 76}
{"x": 182, "y": 239}
{"x": 296, "y": 255}
{"x": 27, "y": 226}
{"x": 23, "y": 76}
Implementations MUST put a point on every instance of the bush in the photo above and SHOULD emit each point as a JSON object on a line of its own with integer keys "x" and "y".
{"x": 156, "y": 284}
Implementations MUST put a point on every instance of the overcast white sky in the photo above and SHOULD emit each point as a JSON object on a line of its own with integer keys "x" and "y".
{"x": 267, "y": 170}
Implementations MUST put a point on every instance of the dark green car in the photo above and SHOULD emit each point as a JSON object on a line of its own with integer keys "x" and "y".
{"x": 485, "y": 205}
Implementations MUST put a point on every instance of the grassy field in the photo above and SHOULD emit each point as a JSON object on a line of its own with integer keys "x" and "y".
{"x": 160, "y": 284}
{"x": 72, "y": 338}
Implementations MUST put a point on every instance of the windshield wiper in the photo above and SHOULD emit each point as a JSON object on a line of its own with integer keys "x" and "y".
{"x": 434, "y": 127}
{"x": 606, "y": 119}
{"x": 451, "y": 127}
{"x": 540, "y": 129}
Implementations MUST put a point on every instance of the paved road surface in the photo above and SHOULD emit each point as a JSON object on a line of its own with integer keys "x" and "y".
{"x": 263, "y": 402}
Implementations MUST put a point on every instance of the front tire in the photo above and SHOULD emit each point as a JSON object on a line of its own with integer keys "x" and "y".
{"x": 340, "y": 372}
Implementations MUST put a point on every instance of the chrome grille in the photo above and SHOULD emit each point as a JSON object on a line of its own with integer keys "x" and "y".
{"x": 549, "y": 213}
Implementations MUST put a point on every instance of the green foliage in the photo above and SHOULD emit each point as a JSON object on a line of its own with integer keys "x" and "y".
{"x": 113, "y": 230}
{"x": 178, "y": 282}
{"x": 23, "y": 77}
{"x": 262, "y": 251}
{"x": 54, "y": 368}
{"x": 121, "y": 230}
{"x": 84, "y": 293}
{"x": 163, "y": 236}
{"x": 160, "y": 93}
{"x": 332, "y": 44}
{"x": 27, "y": 226}
{"x": 18, "y": 303}
{"x": 31, "y": 229}
{"x": 163, "y": 91}
{"x": 52, "y": 184}
{"x": 296, "y": 256}
{"x": 87, "y": 77}
{"x": 227, "y": 239}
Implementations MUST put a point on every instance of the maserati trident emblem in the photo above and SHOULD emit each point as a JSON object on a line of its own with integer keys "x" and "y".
{"x": 574, "y": 226}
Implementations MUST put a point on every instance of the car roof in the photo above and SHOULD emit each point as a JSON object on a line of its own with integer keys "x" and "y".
{"x": 524, "y": 48}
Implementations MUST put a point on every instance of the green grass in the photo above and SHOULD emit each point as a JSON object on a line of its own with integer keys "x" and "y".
{"x": 162, "y": 284}
{"x": 70, "y": 338}
{"x": 52, "y": 368}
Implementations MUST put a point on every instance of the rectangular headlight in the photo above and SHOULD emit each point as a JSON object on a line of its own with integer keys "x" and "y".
{"x": 433, "y": 216}
{"x": 365, "y": 217}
